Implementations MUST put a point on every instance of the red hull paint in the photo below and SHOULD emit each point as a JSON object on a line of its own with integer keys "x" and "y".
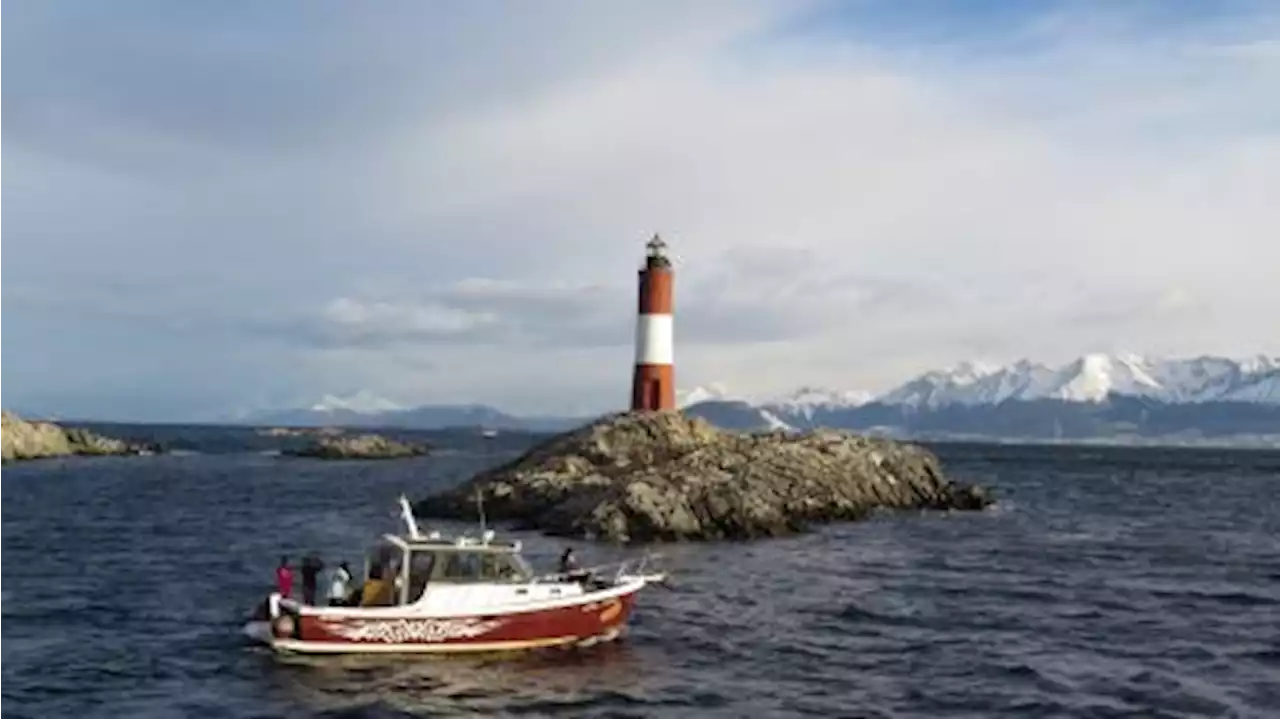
{"x": 580, "y": 621}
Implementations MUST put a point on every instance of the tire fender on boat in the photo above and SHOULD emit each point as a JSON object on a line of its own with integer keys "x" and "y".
{"x": 284, "y": 626}
{"x": 610, "y": 611}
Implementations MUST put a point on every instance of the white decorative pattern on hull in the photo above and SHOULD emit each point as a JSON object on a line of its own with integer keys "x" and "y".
{"x": 404, "y": 631}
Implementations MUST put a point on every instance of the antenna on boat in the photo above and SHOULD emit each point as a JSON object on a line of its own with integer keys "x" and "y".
{"x": 406, "y": 513}
{"x": 484, "y": 535}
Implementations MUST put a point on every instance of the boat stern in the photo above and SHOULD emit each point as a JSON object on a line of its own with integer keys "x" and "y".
{"x": 274, "y": 619}
{"x": 258, "y": 632}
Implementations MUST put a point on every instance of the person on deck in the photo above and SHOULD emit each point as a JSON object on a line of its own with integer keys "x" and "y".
{"x": 570, "y": 570}
{"x": 284, "y": 577}
{"x": 311, "y": 567}
{"x": 338, "y": 584}
{"x": 377, "y": 591}
{"x": 568, "y": 562}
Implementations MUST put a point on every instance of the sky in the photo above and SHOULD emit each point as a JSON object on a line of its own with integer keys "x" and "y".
{"x": 212, "y": 208}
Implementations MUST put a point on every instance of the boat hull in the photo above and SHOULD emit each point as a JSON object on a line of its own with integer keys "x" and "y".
{"x": 334, "y": 631}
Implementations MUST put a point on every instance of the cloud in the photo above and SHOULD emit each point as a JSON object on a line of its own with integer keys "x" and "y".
{"x": 364, "y": 321}
{"x": 429, "y": 200}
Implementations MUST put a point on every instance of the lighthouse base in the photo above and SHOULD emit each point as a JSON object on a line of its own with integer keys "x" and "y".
{"x": 653, "y": 388}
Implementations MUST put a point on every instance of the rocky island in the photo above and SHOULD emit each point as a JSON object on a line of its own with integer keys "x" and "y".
{"x": 364, "y": 446}
{"x": 661, "y": 476}
{"x": 299, "y": 432}
{"x": 22, "y": 439}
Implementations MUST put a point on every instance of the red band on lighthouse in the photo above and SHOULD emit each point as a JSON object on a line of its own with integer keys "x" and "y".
{"x": 653, "y": 385}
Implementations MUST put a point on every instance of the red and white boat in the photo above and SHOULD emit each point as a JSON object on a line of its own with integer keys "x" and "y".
{"x": 435, "y": 594}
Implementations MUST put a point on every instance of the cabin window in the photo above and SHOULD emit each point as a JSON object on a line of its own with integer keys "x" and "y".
{"x": 462, "y": 567}
{"x": 482, "y": 567}
{"x": 523, "y": 572}
{"x": 420, "y": 565}
{"x": 502, "y": 568}
{"x": 383, "y": 562}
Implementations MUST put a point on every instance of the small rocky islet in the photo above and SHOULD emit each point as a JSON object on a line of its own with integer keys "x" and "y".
{"x": 363, "y": 446}
{"x": 27, "y": 439}
{"x": 662, "y": 476}
{"x": 282, "y": 432}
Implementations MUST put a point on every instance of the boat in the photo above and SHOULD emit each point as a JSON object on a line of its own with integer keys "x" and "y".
{"x": 431, "y": 593}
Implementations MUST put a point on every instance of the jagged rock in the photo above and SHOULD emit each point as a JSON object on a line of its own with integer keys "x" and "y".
{"x": 88, "y": 443}
{"x": 28, "y": 440}
{"x": 663, "y": 476}
{"x": 31, "y": 440}
{"x": 365, "y": 446}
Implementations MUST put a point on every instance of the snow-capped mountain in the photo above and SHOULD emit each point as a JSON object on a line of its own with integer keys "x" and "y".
{"x": 807, "y": 400}
{"x": 1091, "y": 379}
{"x": 967, "y": 383}
{"x": 711, "y": 393}
{"x": 362, "y": 401}
{"x": 1087, "y": 379}
{"x": 1094, "y": 377}
{"x": 718, "y": 404}
{"x": 366, "y": 409}
{"x": 1093, "y": 396}
{"x": 803, "y": 401}
{"x": 1263, "y": 390}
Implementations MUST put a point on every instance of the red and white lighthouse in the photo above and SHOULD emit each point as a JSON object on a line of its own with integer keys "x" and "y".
{"x": 653, "y": 385}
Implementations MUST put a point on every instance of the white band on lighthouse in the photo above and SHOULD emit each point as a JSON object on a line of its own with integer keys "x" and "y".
{"x": 655, "y": 343}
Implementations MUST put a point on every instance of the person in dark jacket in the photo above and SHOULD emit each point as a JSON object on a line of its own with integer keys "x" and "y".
{"x": 311, "y": 568}
{"x": 568, "y": 562}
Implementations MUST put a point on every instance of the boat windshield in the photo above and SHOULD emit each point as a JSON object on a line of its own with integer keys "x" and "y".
{"x": 512, "y": 568}
{"x": 523, "y": 569}
{"x": 483, "y": 566}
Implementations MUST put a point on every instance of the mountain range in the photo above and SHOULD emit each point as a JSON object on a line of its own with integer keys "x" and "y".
{"x": 1096, "y": 396}
{"x": 431, "y": 416}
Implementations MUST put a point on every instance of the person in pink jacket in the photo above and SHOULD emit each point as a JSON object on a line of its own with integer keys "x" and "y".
{"x": 284, "y": 577}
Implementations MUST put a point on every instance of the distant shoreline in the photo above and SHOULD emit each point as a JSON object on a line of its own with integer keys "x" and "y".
{"x": 504, "y": 436}
{"x": 1268, "y": 443}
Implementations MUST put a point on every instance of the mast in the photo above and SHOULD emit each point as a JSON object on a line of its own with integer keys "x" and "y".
{"x": 406, "y": 513}
{"x": 485, "y": 536}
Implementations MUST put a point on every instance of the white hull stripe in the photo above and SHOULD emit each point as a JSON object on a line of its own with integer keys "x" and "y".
{"x": 297, "y": 646}
{"x": 629, "y": 585}
{"x": 655, "y": 342}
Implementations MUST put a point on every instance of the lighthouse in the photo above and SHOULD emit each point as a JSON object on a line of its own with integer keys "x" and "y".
{"x": 653, "y": 384}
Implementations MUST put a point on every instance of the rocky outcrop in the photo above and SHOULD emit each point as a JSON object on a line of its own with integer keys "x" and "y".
{"x": 85, "y": 442}
{"x": 365, "y": 446}
{"x": 664, "y": 476}
{"x": 299, "y": 432}
{"x": 22, "y": 439}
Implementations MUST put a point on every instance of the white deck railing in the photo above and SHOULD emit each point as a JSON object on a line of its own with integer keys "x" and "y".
{"x": 634, "y": 567}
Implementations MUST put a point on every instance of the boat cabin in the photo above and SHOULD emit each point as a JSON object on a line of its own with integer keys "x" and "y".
{"x": 399, "y": 570}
